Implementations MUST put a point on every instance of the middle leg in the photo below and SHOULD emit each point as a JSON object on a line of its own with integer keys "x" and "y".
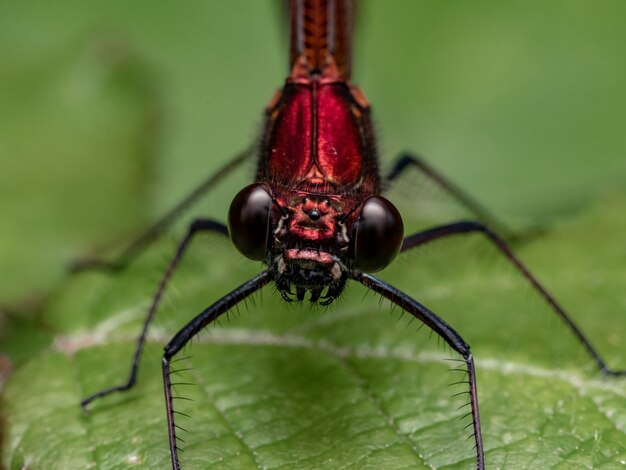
{"x": 465, "y": 227}
{"x": 197, "y": 226}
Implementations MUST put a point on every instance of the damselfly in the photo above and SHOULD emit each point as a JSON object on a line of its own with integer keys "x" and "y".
{"x": 314, "y": 214}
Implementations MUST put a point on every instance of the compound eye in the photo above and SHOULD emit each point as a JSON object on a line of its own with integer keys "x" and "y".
{"x": 379, "y": 235}
{"x": 249, "y": 221}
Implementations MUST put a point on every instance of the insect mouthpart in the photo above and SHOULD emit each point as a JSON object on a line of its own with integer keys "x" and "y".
{"x": 317, "y": 272}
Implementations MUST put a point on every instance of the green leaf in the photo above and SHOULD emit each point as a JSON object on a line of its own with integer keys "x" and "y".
{"x": 350, "y": 387}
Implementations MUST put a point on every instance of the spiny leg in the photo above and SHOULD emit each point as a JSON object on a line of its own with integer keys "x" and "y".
{"x": 197, "y": 226}
{"x": 406, "y": 161}
{"x": 447, "y": 333}
{"x": 192, "y": 328}
{"x": 464, "y": 227}
{"x": 150, "y": 235}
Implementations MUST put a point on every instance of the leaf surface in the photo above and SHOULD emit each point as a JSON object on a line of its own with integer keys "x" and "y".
{"x": 282, "y": 387}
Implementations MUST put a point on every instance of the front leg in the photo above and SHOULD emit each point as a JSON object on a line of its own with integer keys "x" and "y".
{"x": 446, "y": 332}
{"x": 192, "y": 328}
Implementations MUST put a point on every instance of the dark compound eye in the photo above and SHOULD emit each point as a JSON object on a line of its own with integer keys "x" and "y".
{"x": 249, "y": 221}
{"x": 378, "y": 236}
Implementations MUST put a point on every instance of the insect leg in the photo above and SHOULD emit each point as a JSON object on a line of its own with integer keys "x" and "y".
{"x": 446, "y": 332}
{"x": 188, "y": 332}
{"x": 405, "y": 161}
{"x": 464, "y": 227}
{"x": 150, "y": 235}
{"x": 199, "y": 225}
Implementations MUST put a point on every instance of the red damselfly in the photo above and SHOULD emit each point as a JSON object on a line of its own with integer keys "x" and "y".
{"x": 314, "y": 214}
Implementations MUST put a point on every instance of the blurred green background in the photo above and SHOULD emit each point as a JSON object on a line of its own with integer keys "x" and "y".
{"x": 110, "y": 112}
